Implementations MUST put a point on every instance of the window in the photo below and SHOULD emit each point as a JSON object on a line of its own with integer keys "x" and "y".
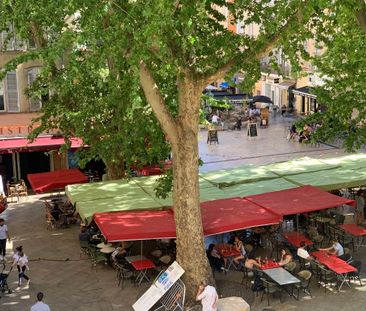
{"x": 35, "y": 104}
{"x": 2, "y": 102}
{"x": 11, "y": 92}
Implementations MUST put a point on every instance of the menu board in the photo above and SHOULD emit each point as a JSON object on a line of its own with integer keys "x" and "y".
{"x": 157, "y": 290}
{"x": 252, "y": 130}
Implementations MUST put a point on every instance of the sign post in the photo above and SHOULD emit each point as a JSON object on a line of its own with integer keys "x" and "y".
{"x": 252, "y": 129}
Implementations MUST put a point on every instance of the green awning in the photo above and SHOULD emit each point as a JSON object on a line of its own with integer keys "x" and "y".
{"x": 351, "y": 161}
{"x": 299, "y": 166}
{"x": 259, "y": 187}
{"x": 238, "y": 175}
{"x": 331, "y": 179}
{"x": 86, "y": 209}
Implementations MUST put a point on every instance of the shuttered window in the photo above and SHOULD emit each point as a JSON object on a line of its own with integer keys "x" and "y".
{"x": 11, "y": 94}
{"x": 35, "y": 104}
{"x": 2, "y": 101}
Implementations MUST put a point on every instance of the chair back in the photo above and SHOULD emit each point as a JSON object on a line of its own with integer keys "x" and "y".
{"x": 357, "y": 264}
{"x": 291, "y": 266}
{"x": 305, "y": 275}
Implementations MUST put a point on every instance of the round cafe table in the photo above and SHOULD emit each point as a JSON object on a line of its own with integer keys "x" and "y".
{"x": 107, "y": 250}
{"x": 102, "y": 245}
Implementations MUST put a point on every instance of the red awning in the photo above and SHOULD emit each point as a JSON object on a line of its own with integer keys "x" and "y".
{"x": 40, "y": 143}
{"x": 298, "y": 200}
{"x": 131, "y": 226}
{"x": 218, "y": 217}
{"x": 233, "y": 214}
{"x": 42, "y": 182}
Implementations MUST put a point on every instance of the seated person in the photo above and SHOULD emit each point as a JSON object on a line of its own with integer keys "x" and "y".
{"x": 238, "y": 124}
{"x": 84, "y": 234}
{"x": 305, "y": 134}
{"x": 302, "y": 252}
{"x": 335, "y": 249}
{"x": 239, "y": 246}
{"x": 118, "y": 254}
{"x": 215, "y": 259}
{"x": 286, "y": 257}
{"x": 293, "y": 132}
{"x": 250, "y": 262}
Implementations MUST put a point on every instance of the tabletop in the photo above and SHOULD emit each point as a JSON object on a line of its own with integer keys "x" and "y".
{"x": 270, "y": 264}
{"x": 143, "y": 264}
{"x": 281, "y": 276}
{"x": 295, "y": 238}
{"x": 353, "y": 229}
{"x": 131, "y": 259}
{"x": 334, "y": 263}
{"x": 102, "y": 245}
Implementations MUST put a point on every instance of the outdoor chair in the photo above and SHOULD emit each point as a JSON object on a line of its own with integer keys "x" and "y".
{"x": 98, "y": 257}
{"x": 84, "y": 248}
{"x": 12, "y": 193}
{"x": 22, "y": 189}
{"x": 123, "y": 274}
{"x": 270, "y": 288}
{"x": 326, "y": 277}
{"x": 291, "y": 266}
{"x": 305, "y": 278}
{"x": 52, "y": 223}
{"x": 248, "y": 274}
{"x": 355, "y": 275}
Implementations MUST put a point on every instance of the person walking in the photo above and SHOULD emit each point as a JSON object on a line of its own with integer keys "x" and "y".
{"x": 22, "y": 263}
{"x": 208, "y": 296}
{"x": 4, "y": 234}
{"x": 40, "y": 305}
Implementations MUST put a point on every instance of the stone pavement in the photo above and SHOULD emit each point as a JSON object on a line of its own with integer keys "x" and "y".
{"x": 69, "y": 283}
{"x": 236, "y": 148}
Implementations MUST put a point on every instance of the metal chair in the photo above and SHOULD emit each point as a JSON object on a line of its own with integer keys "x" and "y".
{"x": 355, "y": 275}
{"x": 247, "y": 275}
{"x": 122, "y": 274}
{"x": 326, "y": 277}
{"x": 174, "y": 298}
{"x": 270, "y": 288}
{"x": 305, "y": 278}
{"x": 291, "y": 266}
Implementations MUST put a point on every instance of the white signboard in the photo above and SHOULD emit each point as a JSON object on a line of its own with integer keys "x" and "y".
{"x": 159, "y": 287}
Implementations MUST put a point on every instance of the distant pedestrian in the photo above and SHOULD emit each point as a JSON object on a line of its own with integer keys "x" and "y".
{"x": 208, "y": 296}
{"x": 4, "y": 234}
{"x": 40, "y": 305}
{"x": 22, "y": 262}
{"x": 18, "y": 250}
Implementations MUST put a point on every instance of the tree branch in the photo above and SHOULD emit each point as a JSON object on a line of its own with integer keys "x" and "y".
{"x": 268, "y": 47}
{"x": 361, "y": 15}
{"x": 157, "y": 103}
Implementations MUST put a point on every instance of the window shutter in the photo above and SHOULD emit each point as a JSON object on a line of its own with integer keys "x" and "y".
{"x": 12, "y": 92}
{"x": 35, "y": 104}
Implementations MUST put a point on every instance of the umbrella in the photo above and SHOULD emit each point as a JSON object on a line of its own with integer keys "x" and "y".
{"x": 261, "y": 99}
{"x": 211, "y": 87}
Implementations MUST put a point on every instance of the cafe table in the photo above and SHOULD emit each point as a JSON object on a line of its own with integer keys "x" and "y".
{"x": 230, "y": 253}
{"x": 270, "y": 264}
{"x": 102, "y": 245}
{"x": 358, "y": 233}
{"x": 141, "y": 264}
{"x": 295, "y": 238}
{"x": 337, "y": 265}
{"x": 282, "y": 277}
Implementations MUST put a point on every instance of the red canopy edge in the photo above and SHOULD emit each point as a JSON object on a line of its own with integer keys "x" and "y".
{"x": 42, "y": 182}
{"x": 226, "y": 215}
{"x": 131, "y": 226}
{"x": 40, "y": 143}
{"x": 298, "y": 200}
{"x": 218, "y": 216}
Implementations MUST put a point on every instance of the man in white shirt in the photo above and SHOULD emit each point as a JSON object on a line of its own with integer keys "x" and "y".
{"x": 302, "y": 252}
{"x": 4, "y": 234}
{"x": 40, "y": 305}
{"x": 335, "y": 249}
{"x": 208, "y": 296}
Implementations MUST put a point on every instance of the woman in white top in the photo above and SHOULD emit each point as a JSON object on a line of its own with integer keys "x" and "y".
{"x": 22, "y": 262}
{"x": 18, "y": 250}
{"x": 239, "y": 246}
